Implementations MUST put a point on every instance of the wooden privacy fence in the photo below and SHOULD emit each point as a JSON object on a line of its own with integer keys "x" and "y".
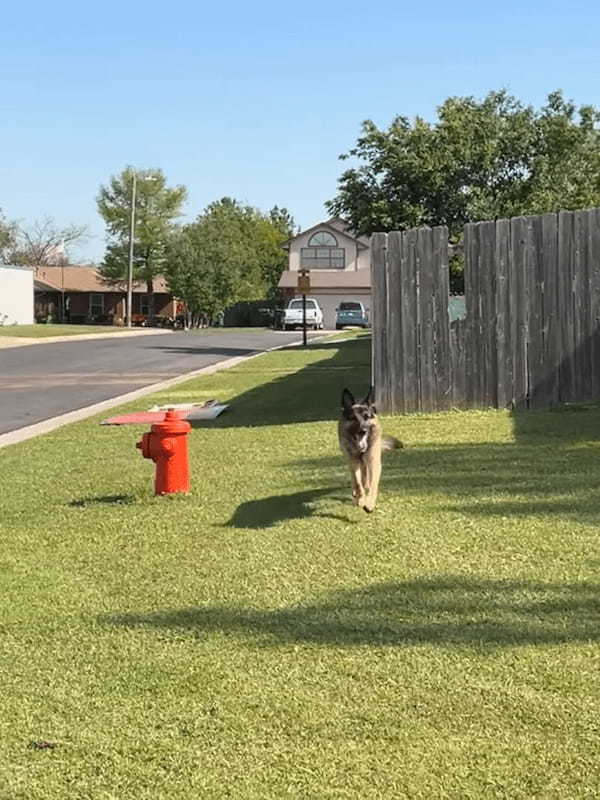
{"x": 531, "y": 335}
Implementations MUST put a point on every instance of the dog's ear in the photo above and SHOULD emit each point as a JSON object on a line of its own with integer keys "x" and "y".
{"x": 370, "y": 398}
{"x": 347, "y": 399}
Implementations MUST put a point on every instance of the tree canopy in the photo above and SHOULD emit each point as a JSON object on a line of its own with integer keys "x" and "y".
{"x": 230, "y": 253}
{"x": 479, "y": 160}
{"x": 157, "y": 206}
{"x": 43, "y": 242}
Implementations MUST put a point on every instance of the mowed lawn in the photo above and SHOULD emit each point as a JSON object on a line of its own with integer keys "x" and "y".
{"x": 40, "y": 331}
{"x": 262, "y": 638}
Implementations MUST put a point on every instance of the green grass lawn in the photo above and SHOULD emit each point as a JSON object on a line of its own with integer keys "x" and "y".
{"x": 262, "y": 638}
{"x": 39, "y": 331}
{"x": 44, "y": 331}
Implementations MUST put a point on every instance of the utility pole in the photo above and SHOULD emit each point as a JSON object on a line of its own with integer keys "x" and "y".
{"x": 131, "y": 243}
{"x": 304, "y": 286}
{"x": 303, "y": 320}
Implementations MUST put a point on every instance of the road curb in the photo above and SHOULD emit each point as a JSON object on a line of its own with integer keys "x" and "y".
{"x": 48, "y": 425}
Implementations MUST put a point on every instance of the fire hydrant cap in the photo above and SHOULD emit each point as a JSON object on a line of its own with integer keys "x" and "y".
{"x": 172, "y": 424}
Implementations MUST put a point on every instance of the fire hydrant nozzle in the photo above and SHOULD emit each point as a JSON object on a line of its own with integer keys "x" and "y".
{"x": 166, "y": 445}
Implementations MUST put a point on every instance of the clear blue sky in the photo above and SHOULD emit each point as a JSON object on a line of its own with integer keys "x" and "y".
{"x": 252, "y": 100}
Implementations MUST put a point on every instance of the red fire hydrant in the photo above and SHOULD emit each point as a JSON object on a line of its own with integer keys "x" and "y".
{"x": 166, "y": 445}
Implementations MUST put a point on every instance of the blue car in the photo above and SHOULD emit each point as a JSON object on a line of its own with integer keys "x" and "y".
{"x": 351, "y": 312}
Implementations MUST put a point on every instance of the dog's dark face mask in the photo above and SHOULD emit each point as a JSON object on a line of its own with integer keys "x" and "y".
{"x": 359, "y": 417}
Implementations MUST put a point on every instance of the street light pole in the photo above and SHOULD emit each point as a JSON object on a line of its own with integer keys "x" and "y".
{"x": 131, "y": 243}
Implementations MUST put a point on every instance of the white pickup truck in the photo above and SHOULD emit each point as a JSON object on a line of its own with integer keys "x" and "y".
{"x": 292, "y": 315}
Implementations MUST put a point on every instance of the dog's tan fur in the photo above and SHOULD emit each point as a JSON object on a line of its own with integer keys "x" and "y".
{"x": 361, "y": 440}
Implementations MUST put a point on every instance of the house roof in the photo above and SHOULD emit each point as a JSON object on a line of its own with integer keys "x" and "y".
{"x": 337, "y": 225}
{"x": 329, "y": 279}
{"x": 88, "y": 279}
{"x": 42, "y": 286}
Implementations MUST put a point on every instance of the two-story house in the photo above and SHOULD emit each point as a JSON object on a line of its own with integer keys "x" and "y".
{"x": 339, "y": 265}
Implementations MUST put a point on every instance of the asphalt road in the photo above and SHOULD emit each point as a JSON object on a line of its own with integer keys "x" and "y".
{"x": 38, "y": 382}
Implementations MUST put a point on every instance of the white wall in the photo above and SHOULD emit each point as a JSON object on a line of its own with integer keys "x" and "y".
{"x": 16, "y": 296}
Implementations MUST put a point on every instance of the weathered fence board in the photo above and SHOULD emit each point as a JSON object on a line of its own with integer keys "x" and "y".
{"x": 441, "y": 328}
{"x": 487, "y": 286}
{"x": 380, "y": 356}
{"x": 409, "y": 301}
{"x": 582, "y": 299}
{"x": 519, "y": 242}
{"x": 535, "y": 301}
{"x": 547, "y": 391}
{"x": 457, "y": 362}
{"x": 566, "y": 307}
{"x": 595, "y": 299}
{"x": 394, "y": 323}
{"x": 504, "y": 353}
{"x": 425, "y": 274}
{"x": 472, "y": 330}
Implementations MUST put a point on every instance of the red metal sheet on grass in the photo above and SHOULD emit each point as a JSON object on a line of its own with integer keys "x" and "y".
{"x": 141, "y": 417}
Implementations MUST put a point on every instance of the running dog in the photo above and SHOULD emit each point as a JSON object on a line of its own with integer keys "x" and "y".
{"x": 362, "y": 441}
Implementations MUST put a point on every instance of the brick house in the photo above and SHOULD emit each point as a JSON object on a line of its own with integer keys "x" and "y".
{"x": 80, "y": 295}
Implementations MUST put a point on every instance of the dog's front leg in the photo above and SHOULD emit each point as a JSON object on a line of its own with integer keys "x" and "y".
{"x": 358, "y": 492}
{"x": 365, "y": 477}
{"x": 373, "y": 472}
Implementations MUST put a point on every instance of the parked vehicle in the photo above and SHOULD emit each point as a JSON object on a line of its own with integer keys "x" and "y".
{"x": 351, "y": 312}
{"x": 292, "y": 315}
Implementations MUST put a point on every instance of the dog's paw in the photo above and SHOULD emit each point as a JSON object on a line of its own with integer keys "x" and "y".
{"x": 359, "y": 500}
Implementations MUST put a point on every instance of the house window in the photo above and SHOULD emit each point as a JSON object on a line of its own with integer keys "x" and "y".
{"x": 96, "y": 304}
{"x": 322, "y": 252}
{"x": 322, "y": 239}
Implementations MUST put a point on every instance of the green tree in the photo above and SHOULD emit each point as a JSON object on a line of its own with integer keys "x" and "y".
{"x": 231, "y": 253}
{"x": 479, "y": 160}
{"x": 157, "y": 206}
{"x": 8, "y": 238}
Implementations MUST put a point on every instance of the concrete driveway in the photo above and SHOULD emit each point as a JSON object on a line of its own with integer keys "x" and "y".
{"x": 42, "y": 381}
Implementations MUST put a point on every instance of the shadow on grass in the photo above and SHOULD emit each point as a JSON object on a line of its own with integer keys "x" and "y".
{"x": 108, "y": 499}
{"x": 270, "y": 511}
{"x": 440, "y": 610}
{"x": 310, "y": 394}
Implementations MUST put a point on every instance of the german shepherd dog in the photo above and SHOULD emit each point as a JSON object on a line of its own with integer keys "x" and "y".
{"x": 362, "y": 441}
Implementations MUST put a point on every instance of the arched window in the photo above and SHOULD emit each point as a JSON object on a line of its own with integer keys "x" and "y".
{"x": 322, "y": 252}
{"x": 322, "y": 239}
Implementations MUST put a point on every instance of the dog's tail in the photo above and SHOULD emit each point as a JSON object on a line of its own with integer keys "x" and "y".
{"x": 391, "y": 443}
